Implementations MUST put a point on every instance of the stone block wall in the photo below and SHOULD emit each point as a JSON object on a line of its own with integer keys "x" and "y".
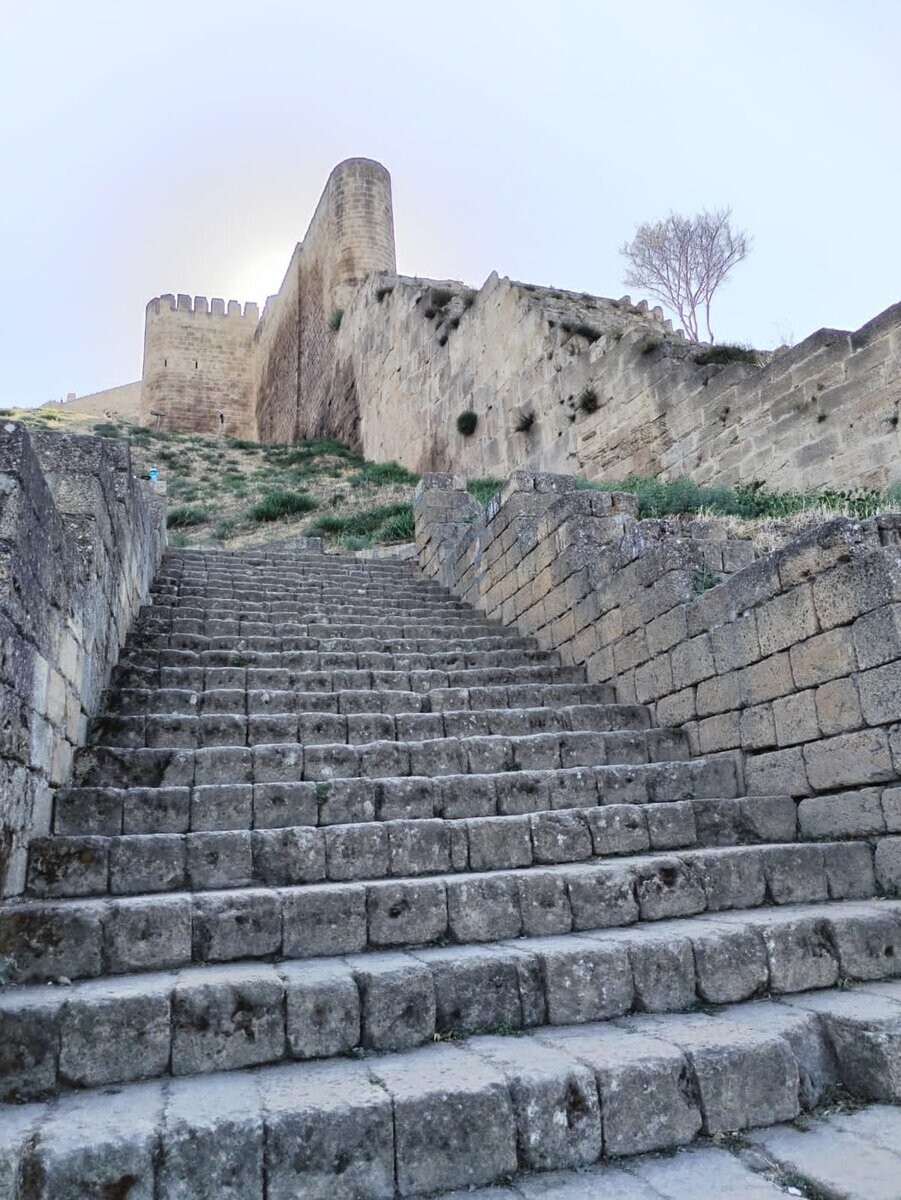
{"x": 198, "y": 364}
{"x": 603, "y": 388}
{"x": 792, "y": 659}
{"x": 80, "y": 540}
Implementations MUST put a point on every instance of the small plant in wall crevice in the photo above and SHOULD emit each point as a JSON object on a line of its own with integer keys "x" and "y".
{"x": 524, "y": 422}
{"x": 588, "y": 401}
{"x": 467, "y": 422}
{"x": 334, "y": 321}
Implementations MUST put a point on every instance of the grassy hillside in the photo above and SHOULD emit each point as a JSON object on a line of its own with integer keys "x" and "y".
{"x": 227, "y": 492}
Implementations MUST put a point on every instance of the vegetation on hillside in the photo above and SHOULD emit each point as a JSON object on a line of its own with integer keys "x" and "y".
{"x": 234, "y": 492}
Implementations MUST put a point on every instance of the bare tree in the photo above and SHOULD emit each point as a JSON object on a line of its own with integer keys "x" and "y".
{"x": 683, "y": 260}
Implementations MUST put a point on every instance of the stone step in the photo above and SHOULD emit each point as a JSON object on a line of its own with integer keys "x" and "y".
{"x": 164, "y": 797}
{"x": 84, "y": 938}
{"x": 205, "y": 1019}
{"x": 274, "y": 671}
{"x": 223, "y": 760}
{"x": 290, "y": 637}
{"x": 234, "y": 856}
{"x": 277, "y": 720}
{"x": 392, "y": 598}
{"x": 313, "y": 611}
{"x": 450, "y": 1116}
{"x": 487, "y": 711}
{"x": 267, "y": 655}
{"x": 628, "y": 796}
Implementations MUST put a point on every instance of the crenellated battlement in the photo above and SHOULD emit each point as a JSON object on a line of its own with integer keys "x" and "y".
{"x": 200, "y": 306}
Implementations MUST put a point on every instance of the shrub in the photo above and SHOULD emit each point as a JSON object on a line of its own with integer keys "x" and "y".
{"x": 582, "y": 330}
{"x": 524, "y": 422}
{"x": 243, "y": 444}
{"x": 334, "y": 321}
{"x": 385, "y": 523}
{"x": 724, "y": 353}
{"x": 440, "y": 296}
{"x": 484, "y": 489}
{"x": 178, "y": 540}
{"x": 184, "y": 515}
{"x": 277, "y": 504}
{"x": 383, "y": 474}
{"x": 466, "y": 422}
{"x": 223, "y": 531}
{"x": 107, "y": 429}
{"x": 588, "y": 401}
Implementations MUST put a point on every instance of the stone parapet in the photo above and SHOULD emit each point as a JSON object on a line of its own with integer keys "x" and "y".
{"x": 793, "y": 658}
{"x": 80, "y": 540}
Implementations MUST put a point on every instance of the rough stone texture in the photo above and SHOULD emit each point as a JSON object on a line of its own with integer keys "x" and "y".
{"x": 80, "y": 541}
{"x": 784, "y": 659}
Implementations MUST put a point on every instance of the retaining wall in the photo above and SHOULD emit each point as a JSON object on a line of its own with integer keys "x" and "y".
{"x": 80, "y": 541}
{"x": 792, "y": 659}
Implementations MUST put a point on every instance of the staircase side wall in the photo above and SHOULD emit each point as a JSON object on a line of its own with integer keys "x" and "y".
{"x": 793, "y": 659}
{"x": 80, "y": 541}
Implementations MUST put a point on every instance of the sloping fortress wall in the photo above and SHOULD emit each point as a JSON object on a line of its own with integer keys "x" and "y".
{"x": 792, "y": 659}
{"x": 80, "y": 540}
{"x": 558, "y": 380}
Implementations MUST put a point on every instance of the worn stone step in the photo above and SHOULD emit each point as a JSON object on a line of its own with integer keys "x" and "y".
{"x": 278, "y": 674}
{"x": 215, "y": 783}
{"x": 223, "y": 759}
{"x": 454, "y": 1116}
{"x": 232, "y": 855}
{"x": 264, "y": 655}
{"x": 287, "y": 637}
{"x": 336, "y": 597}
{"x": 629, "y": 796}
{"x": 255, "y": 686}
{"x": 84, "y": 938}
{"x": 313, "y": 612}
{"x": 274, "y": 717}
{"x": 198, "y": 1020}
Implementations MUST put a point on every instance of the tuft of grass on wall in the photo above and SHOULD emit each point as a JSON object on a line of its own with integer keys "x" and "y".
{"x": 682, "y": 496}
{"x": 277, "y": 504}
{"x": 484, "y": 489}
{"x": 725, "y": 352}
{"x": 334, "y": 321}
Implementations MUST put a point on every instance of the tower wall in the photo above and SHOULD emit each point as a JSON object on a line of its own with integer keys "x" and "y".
{"x": 198, "y": 363}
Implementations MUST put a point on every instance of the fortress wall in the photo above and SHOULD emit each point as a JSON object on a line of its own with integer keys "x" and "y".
{"x": 302, "y": 390}
{"x": 122, "y": 403}
{"x": 276, "y": 366}
{"x": 825, "y": 413}
{"x": 198, "y": 363}
{"x": 792, "y": 660}
{"x": 80, "y": 540}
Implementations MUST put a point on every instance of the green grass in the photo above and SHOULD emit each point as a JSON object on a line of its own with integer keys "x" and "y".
{"x": 724, "y": 353}
{"x": 659, "y": 498}
{"x": 107, "y": 429}
{"x": 484, "y": 489}
{"x": 277, "y": 504}
{"x": 184, "y": 515}
{"x": 385, "y": 475}
{"x": 382, "y": 524}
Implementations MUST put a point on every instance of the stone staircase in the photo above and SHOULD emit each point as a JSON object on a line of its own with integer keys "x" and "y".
{"x": 464, "y": 914}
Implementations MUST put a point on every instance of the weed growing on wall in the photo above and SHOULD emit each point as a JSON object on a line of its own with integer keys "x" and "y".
{"x": 467, "y": 422}
{"x": 680, "y": 496}
{"x": 524, "y": 422}
{"x": 724, "y": 353}
{"x": 484, "y": 489}
{"x": 334, "y": 321}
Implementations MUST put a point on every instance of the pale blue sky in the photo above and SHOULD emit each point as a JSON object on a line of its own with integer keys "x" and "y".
{"x": 174, "y": 146}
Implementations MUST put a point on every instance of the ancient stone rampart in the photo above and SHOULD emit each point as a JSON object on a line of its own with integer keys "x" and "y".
{"x": 80, "y": 540}
{"x": 603, "y": 388}
{"x": 793, "y": 659}
{"x": 557, "y": 380}
{"x": 198, "y": 365}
